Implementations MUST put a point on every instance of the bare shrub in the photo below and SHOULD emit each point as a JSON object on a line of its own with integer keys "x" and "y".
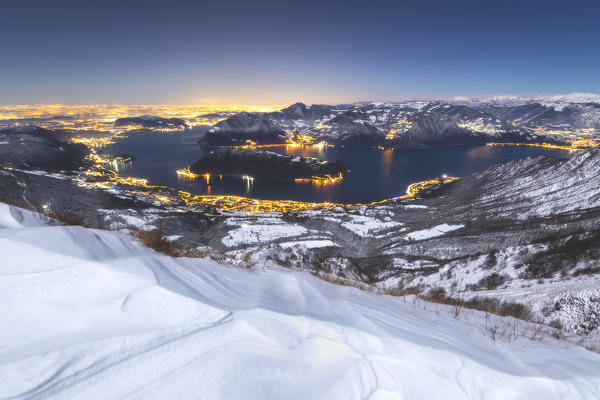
{"x": 155, "y": 240}
{"x": 343, "y": 282}
{"x": 562, "y": 254}
{"x": 218, "y": 257}
{"x": 491, "y": 260}
{"x": 492, "y": 281}
{"x": 487, "y": 304}
{"x": 66, "y": 217}
{"x": 438, "y": 293}
{"x": 517, "y": 310}
{"x": 400, "y": 291}
{"x": 588, "y": 270}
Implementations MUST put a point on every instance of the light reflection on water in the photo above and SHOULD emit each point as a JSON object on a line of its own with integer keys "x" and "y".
{"x": 375, "y": 174}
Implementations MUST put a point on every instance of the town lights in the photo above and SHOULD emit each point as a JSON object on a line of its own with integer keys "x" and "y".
{"x": 575, "y": 145}
{"x": 163, "y": 195}
{"x": 185, "y": 172}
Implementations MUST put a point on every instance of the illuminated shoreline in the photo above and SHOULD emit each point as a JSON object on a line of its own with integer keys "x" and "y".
{"x": 232, "y": 203}
{"x": 249, "y": 205}
{"x": 315, "y": 179}
{"x": 321, "y": 180}
{"x": 169, "y": 195}
{"x": 576, "y": 145}
{"x": 294, "y": 141}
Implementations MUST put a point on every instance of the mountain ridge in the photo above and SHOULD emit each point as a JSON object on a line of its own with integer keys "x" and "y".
{"x": 428, "y": 124}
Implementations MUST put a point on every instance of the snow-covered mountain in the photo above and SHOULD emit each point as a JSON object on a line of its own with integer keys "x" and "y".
{"x": 431, "y": 125}
{"x": 303, "y": 114}
{"x": 559, "y": 112}
{"x": 512, "y": 100}
{"x": 267, "y": 128}
{"x": 551, "y": 114}
{"x": 406, "y": 125}
{"x": 416, "y": 124}
{"x": 239, "y": 128}
{"x": 92, "y": 314}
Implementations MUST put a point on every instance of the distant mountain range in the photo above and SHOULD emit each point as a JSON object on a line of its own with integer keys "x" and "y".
{"x": 560, "y": 98}
{"x": 414, "y": 124}
{"x": 556, "y": 119}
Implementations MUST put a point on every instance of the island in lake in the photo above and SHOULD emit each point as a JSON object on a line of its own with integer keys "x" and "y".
{"x": 266, "y": 165}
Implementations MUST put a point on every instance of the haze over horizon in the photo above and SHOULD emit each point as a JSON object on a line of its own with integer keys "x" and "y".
{"x": 279, "y": 53}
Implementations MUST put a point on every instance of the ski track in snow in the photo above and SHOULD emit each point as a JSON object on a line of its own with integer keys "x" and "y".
{"x": 92, "y": 314}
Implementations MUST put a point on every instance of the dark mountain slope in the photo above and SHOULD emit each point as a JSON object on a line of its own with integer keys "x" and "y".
{"x": 31, "y": 147}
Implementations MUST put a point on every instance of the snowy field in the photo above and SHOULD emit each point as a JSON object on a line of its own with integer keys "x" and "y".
{"x": 89, "y": 314}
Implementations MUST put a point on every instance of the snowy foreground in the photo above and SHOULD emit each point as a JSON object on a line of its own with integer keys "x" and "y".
{"x": 92, "y": 314}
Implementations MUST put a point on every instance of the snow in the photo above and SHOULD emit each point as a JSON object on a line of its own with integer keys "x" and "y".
{"x": 574, "y": 98}
{"x": 366, "y": 226}
{"x": 93, "y": 314}
{"x": 133, "y": 221}
{"x": 558, "y": 106}
{"x": 555, "y": 189}
{"x": 433, "y": 232}
{"x": 143, "y": 222}
{"x": 401, "y": 263}
{"x": 415, "y": 206}
{"x": 13, "y": 217}
{"x": 259, "y": 233}
{"x": 310, "y": 244}
{"x": 419, "y": 105}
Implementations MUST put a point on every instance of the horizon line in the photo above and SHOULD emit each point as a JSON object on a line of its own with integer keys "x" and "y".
{"x": 537, "y": 96}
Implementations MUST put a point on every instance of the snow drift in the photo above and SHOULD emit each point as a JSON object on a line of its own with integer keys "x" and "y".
{"x": 93, "y": 314}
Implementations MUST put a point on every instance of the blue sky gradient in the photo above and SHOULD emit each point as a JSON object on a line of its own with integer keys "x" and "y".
{"x": 184, "y": 52}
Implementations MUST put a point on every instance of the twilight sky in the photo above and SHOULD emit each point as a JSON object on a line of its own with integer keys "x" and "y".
{"x": 267, "y": 52}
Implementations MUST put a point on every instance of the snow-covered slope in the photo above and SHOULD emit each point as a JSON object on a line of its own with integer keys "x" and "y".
{"x": 92, "y": 314}
{"x": 550, "y": 114}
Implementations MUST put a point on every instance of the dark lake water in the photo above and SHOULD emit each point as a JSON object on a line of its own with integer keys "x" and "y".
{"x": 375, "y": 174}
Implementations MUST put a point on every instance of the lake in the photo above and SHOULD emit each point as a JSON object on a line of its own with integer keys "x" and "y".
{"x": 375, "y": 174}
